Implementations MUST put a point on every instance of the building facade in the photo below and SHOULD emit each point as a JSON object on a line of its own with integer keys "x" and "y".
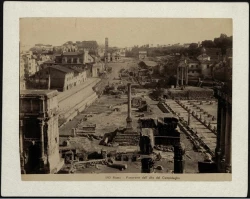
{"x": 142, "y": 55}
{"x": 57, "y": 77}
{"x": 223, "y": 149}
{"x": 39, "y": 135}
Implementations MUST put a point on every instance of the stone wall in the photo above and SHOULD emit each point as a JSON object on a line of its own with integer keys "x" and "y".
{"x": 70, "y": 106}
{"x": 190, "y": 94}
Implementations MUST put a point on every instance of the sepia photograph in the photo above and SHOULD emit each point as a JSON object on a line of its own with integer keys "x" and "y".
{"x": 102, "y": 95}
{"x": 125, "y": 99}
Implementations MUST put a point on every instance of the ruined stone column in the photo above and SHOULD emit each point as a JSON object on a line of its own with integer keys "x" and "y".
{"x": 181, "y": 76}
{"x": 222, "y": 139}
{"x": 42, "y": 145}
{"x": 186, "y": 75}
{"x": 177, "y": 77}
{"x": 179, "y": 151}
{"x": 21, "y": 147}
{"x": 228, "y": 140}
{"x": 49, "y": 82}
{"x": 129, "y": 119}
{"x": 218, "y": 147}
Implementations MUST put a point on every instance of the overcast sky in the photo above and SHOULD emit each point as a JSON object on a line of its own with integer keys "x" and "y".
{"x": 121, "y": 32}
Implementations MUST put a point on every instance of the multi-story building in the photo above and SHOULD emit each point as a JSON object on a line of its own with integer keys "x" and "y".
{"x": 101, "y": 52}
{"x": 22, "y": 68}
{"x": 122, "y": 52}
{"x": 39, "y": 135}
{"x": 22, "y": 74}
{"x": 70, "y": 47}
{"x": 58, "y": 78}
{"x": 73, "y": 58}
{"x": 142, "y": 55}
{"x": 30, "y": 63}
{"x": 97, "y": 69}
{"x": 194, "y": 69}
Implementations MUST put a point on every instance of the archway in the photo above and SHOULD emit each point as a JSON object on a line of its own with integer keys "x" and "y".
{"x": 34, "y": 154}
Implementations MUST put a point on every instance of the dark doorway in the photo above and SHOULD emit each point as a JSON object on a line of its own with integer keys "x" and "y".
{"x": 33, "y": 158}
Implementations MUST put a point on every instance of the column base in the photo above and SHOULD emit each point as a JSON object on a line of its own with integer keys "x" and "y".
{"x": 228, "y": 168}
{"x": 23, "y": 171}
{"x": 129, "y": 123}
{"x": 22, "y": 165}
{"x": 222, "y": 165}
{"x": 41, "y": 165}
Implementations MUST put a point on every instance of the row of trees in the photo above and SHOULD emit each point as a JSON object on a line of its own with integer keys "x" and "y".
{"x": 223, "y": 42}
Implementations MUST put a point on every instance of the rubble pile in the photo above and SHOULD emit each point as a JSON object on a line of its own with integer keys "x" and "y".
{"x": 127, "y": 138}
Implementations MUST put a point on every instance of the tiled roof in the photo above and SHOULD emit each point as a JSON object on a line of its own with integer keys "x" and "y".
{"x": 71, "y": 53}
{"x": 193, "y": 61}
{"x": 150, "y": 63}
{"x": 38, "y": 92}
{"x": 77, "y": 69}
{"x": 62, "y": 69}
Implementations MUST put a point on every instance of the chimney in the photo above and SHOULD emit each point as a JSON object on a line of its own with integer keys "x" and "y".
{"x": 129, "y": 119}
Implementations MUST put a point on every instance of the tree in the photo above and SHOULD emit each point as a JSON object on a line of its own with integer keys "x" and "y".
{"x": 193, "y": 46}
{"x": 208, "y": 44}
{"x": 223, "y": 42}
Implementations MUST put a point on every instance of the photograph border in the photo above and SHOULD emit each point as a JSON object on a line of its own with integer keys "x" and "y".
{"x": 10, "y": 163}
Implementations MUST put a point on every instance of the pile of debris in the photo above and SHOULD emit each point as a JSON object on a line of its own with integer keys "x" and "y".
{"x": 127, "y": 138}
{"x": 164, "y": 148}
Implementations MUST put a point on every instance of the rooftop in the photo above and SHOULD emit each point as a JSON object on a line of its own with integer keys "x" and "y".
{"x": 48, "y": 93}
{"x": 77, "y": 69}
{"x": 61, "y": 68}
{"x": 150, "y": 63}
{"x": 71, "y": 53}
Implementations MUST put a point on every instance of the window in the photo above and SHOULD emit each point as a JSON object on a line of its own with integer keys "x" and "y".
{"x": 196, "y": 66}
{"x": 207, "y": 66}
{"x": 193, "y": 71}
